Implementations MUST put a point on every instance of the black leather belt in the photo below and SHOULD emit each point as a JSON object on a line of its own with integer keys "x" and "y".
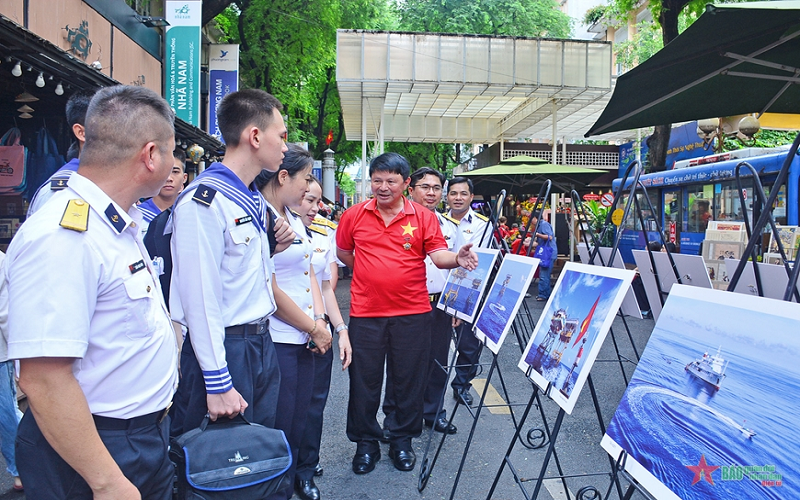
{"x": 260, "y": 328}
{"x": 122, "y": 424}
{"x": 434, "y": 297}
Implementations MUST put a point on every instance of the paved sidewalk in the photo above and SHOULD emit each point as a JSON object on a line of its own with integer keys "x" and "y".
{"x": 577, "y": 446}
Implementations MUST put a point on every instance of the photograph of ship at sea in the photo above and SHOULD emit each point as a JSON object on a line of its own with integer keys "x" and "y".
{"x": 711, "y": 411}
{"x": 463, "y": 290}
{"x": 571, "y": 329}
{"x": 504, "y": 299}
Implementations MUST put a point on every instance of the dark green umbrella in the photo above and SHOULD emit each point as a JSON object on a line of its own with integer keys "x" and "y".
{"x": 735, "y": 59}
{"x": 521, "y": 160}
{"x": 525, "y": 178}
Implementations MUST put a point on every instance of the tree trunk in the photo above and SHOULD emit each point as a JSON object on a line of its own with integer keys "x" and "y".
{"x": 659, "y": 141}
{"x": 658, "y": 144}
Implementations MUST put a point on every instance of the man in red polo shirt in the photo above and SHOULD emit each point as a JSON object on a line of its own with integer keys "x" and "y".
{"x": 385, "y": 241}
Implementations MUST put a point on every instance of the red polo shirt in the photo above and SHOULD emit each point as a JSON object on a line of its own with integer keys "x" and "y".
{"x": 389, "y": 271}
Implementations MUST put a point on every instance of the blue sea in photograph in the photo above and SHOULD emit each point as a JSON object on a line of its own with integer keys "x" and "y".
{"x": 668, "y": 418}
{"x": 467, "y": 299}
{"x": 462, "y": 296}
{"x": 495, "y": 317}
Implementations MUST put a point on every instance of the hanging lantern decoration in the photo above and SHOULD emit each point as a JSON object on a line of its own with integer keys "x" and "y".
{"x": 195, "y": 153}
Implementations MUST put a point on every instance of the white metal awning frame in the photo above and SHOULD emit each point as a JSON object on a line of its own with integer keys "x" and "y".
{"x": 431, "y": 87}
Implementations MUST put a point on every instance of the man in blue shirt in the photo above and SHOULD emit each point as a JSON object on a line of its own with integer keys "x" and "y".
{"x": 544, "y": 236}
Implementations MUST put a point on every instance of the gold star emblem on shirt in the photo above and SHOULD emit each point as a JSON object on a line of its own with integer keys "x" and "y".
{"x": 408, "y": 229}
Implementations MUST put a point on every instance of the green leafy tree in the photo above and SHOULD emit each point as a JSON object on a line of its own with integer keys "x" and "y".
{"x": 347, "y": 184}
{"x": 290, "y": 51}
{"x": 532, "y": 18}
{"x": 673, "y": 16}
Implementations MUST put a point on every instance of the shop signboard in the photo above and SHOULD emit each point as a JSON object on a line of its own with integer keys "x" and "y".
{"x": 182, "y": 59}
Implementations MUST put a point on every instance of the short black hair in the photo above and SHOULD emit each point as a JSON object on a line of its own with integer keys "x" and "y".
{"x": 77, "y": 104}
{"x": 422, "y": 172}
{"x": 654, "y": 246}
{"x": 243, "y": 108}
{"x": 295, "y": 160}
{"x": 392, "y": 163}
{"x": 179, "y": 154}
{"x": 460, "y": 180}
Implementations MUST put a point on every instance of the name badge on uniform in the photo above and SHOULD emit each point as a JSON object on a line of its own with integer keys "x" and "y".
{"x": 297, "y": 241}
{"x": 243, "y": 220}
{"x": 158, "y": 265}
{"x": 136, "y": 266}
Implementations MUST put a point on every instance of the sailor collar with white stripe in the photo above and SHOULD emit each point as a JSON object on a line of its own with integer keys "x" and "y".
{"x": 220, "y": 178}
{"x": 117, "y": 218}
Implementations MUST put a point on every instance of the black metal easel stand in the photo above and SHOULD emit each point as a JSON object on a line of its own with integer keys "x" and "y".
{"x": 426, "y": 465}
{"x": 550, "y": 436}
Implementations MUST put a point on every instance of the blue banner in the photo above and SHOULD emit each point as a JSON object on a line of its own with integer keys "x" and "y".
{"x": 683, "y": 144}
{"x": 223, "y": 65}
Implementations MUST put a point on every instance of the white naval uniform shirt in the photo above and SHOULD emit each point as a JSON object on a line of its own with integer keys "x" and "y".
{"x": 293, "y": 276}
{"x": 472, "y": 228}
{"x": 322, "y": 256}
{"x": 436, "y": 278}
{"x": 149, "y": 212}
{"x": 93, "y": 296}
{"x": 221, "y": 276}
{"x": 330, "y": 228}
{"x": 54, "y": 184}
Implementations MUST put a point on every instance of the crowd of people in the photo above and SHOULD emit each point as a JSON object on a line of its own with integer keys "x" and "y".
{"x": 138, "y": 307}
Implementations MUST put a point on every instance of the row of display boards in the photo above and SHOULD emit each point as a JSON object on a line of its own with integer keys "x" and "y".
{"x": 709, "y": 409}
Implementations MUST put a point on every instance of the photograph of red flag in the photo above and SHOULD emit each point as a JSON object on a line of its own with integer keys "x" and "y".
{"x": 329, "y": 138}
{"x": 585, "y": 324}
{"x": 572, "y": 328}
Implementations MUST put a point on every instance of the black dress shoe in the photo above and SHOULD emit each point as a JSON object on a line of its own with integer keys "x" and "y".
{"x": 364, "y": 463}
{"x": 463, "y": 394}
{"x": 318, "y": 470}
{"x": 441, "y": 425}
{"x": 403, "y": 460}
{"x": 306, "y": 489}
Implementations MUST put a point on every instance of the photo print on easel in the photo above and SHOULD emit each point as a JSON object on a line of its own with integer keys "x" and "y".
{"x": 711, "y": 411}
{"x": 504, "y": 299}
{"x": 463, "y": 290}
{"x": 571, "y": 330}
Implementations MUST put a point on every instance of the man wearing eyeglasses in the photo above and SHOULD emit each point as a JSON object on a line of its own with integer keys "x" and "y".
{"x": 390, "y": 308}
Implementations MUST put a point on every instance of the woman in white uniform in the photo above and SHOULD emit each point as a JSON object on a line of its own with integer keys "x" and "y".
{"x": 294, "y": 277}
{"x": 324, "y": 263}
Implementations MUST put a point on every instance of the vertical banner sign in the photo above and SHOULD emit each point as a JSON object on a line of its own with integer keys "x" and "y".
{"x": 182, "y": 62}
{"x": 316, "y": 169}
{"x": 223, "y": 69}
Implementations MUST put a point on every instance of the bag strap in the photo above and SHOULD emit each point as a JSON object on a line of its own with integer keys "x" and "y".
{"x": 237, "y": 420}
{"x": 12, "y": 137}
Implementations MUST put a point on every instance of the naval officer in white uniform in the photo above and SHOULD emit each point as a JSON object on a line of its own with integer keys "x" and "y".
{"x": 98, "y": 355}
{"x": 473, "y": 229}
